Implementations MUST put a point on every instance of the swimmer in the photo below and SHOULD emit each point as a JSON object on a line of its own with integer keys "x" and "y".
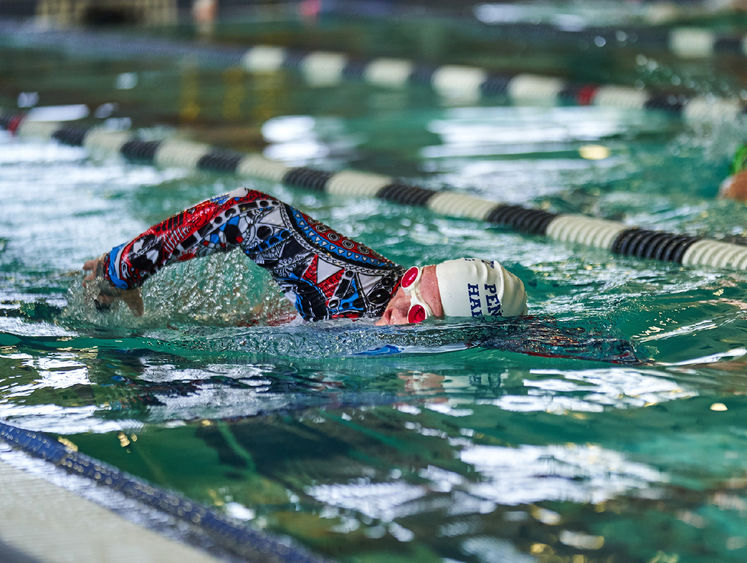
{"x": 735, "y": 186}
{"x": 323, "y": 273}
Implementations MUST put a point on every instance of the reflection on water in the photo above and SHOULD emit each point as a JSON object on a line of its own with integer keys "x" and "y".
{"x": 583, "y": 474}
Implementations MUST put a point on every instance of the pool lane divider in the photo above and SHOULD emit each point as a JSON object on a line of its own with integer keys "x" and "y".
{"x": 462, "y": 83}
{"x": 465, "y": 83}
{"x": 687, "y": 42}
{"x": 616, "y": 237}
{"x": 230, "y": 535}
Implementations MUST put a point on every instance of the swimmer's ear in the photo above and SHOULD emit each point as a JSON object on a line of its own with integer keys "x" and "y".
{"x": 134, "y": 301}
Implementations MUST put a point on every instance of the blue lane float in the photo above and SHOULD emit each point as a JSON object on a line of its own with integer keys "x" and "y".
{"x": 613, "y": 236}
{"x": 230, "y": 535}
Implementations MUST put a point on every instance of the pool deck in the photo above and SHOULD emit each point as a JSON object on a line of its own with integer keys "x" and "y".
{"x": 42, "y": 522}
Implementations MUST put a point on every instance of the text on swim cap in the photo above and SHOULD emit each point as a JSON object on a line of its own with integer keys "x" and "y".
{"x": 492, "y": 301}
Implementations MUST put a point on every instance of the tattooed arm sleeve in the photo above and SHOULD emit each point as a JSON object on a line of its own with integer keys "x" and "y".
{"x": 324, "y": 274}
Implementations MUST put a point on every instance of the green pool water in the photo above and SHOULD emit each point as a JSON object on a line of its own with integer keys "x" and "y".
{"x": 442, "y": 452}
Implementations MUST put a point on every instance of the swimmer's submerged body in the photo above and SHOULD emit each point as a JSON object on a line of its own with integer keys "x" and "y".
{"x": 323, "y": 273}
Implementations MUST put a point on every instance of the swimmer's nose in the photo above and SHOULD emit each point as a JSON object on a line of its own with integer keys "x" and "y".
{"x": 385, "y": 318}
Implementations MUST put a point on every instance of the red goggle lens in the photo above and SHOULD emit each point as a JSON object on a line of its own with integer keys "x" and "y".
{"x": 409, "y": 278}
{"x": 416, "y": 314}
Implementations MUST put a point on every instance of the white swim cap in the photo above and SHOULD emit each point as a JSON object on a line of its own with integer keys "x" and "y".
{"x": 473, "y": 288}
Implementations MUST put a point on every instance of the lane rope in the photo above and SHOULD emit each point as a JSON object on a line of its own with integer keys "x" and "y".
{"x": 687, "y": 42}
{"x": 463, "y": 83}
{"x": 229, "y": 534}
{"x": 616, "y": 237}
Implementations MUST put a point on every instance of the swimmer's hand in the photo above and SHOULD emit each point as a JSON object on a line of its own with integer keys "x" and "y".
{"x": 104, "y": 294}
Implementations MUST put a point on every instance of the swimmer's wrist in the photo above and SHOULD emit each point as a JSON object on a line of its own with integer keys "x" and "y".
{"x": 110, "y": 272}
{"x": 105, "y": 284}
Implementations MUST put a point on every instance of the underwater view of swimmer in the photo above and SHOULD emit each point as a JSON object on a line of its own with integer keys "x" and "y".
{"x": 324, "y": 274}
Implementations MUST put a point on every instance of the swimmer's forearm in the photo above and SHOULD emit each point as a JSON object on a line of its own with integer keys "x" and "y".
{"x": 201, "y": 230}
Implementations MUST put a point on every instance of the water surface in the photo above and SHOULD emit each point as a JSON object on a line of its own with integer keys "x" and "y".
{"x": 608, "y": 426}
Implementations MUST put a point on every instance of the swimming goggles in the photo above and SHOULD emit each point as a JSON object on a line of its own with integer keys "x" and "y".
{"x": 410, "y": 284}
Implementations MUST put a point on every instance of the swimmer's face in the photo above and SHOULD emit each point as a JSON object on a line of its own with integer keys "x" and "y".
{"x": 397, "y": 309}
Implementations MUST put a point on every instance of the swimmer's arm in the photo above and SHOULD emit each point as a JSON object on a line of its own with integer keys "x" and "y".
{"x": 248, "y": 219}
{"x": 201, "y": 230}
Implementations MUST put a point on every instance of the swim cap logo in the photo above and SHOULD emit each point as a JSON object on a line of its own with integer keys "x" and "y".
{"x": 473, "y": 291}
{"x": 492, "y": 301}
